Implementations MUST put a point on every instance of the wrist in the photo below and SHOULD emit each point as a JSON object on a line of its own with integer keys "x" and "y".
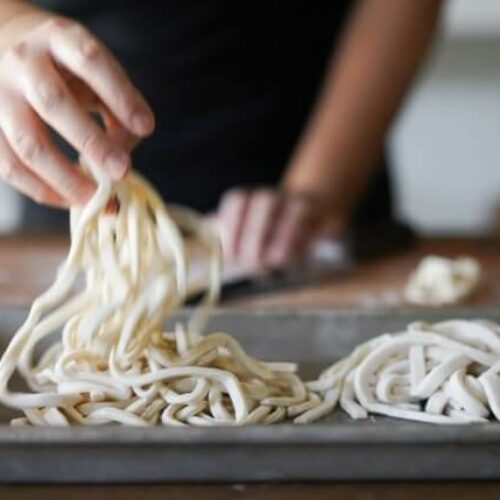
{"x": 322, "y": 191}
{"x": 325, "y": 215}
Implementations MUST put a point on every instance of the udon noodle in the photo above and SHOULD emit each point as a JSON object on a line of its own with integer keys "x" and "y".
{"x": 114, "y": 362}
{"x": 442, "y": 373}
{"x": 111, "y": 360}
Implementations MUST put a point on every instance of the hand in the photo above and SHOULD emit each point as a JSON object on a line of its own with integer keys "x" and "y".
{"x": 266, "y": 229}
{"x": 53, "y": 74}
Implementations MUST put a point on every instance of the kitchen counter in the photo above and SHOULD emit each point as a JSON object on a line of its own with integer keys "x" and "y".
{"x": 27, "y": 266}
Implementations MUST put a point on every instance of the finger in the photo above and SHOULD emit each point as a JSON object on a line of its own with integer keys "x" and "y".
{"x": 117, "y": 133}
{"x": 77, "y": 49}
{"x": 88, "y": 100}
{"x": 230, "y": 220}
{"x": 257, "y": 227}
{"x": 18, "y": 176}
{"x": 30, "y": 141}
{"x": 290, "y": 236}
{"x": 48, "y": 94}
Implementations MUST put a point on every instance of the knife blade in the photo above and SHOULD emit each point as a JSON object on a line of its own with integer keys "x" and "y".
{"x": 327, "y": 259}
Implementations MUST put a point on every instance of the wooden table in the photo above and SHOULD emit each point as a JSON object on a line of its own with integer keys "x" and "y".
{"x": 27, "y": 266}
{"x": 324, "y": 491}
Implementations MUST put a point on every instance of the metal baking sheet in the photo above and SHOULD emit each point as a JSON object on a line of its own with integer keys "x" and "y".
{"x": 333, "y": 449}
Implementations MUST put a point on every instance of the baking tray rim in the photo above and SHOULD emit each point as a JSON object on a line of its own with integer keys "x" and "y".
{"x": 284, "y": 434}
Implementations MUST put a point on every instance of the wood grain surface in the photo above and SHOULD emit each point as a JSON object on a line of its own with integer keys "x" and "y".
{"x": 28, "y": 264}
{"x": 323, "y": 491}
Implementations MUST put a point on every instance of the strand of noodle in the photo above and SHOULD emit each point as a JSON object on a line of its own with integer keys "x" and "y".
{"x": 347, "y": 402}
{"x": 467, "y": 400}
{"x": 436, "y": 404}
{"x": 322, "y": 409}
{"x": 227, "y": 380}
{"x": 417, "y": 366}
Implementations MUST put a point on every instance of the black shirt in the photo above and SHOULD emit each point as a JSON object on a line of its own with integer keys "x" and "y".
{"x": 231, "y": 84}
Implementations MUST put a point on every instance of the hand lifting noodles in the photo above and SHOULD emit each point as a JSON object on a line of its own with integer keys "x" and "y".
{"x": 114, "y": 362}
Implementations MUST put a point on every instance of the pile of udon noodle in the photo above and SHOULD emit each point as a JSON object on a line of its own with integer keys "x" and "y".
{"x": 111, "y": 361}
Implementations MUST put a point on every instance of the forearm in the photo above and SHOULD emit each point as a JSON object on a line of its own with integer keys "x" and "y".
{"x": 382, "y": 46}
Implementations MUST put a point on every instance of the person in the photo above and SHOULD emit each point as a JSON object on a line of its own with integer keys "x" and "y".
{"x": 270, "y": 115}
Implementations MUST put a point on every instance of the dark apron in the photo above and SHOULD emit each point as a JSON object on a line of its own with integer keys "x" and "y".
{"x": 231, "y": 83}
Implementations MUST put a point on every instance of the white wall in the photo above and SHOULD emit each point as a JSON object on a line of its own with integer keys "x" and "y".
{"x": 10, "y": 209}
{"x": 446, "y": 143}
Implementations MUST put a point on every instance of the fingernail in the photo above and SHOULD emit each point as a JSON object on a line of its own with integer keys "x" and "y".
{"x": 117, "y": 164}
{"x": 142, "y": 123}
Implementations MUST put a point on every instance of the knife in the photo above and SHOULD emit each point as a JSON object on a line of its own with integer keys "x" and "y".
{"x": 328, "y": 259}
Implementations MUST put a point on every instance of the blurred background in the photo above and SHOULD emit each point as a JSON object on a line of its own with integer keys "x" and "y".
{"x": 446, "y": 143}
